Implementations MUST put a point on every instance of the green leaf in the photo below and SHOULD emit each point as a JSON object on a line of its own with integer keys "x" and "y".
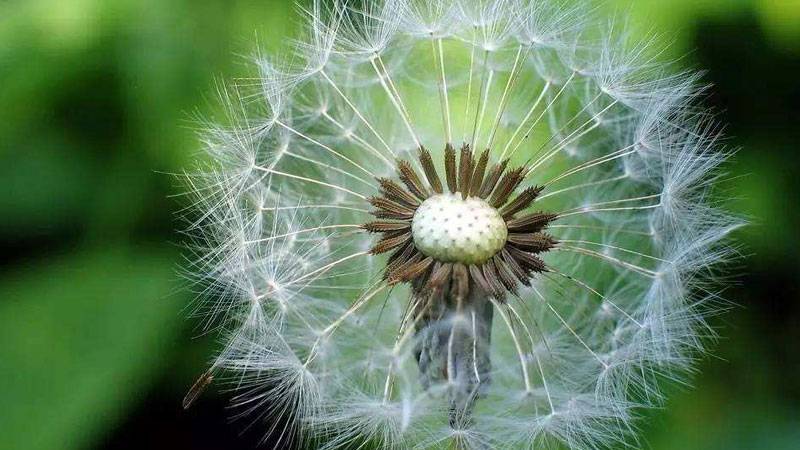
{"x": 82, "y": 337}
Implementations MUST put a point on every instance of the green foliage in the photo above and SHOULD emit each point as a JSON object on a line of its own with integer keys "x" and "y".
{"x": 83, "y": 337}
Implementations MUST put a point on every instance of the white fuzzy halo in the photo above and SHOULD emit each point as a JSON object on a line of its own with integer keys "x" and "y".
{"x": 312, "y": 334}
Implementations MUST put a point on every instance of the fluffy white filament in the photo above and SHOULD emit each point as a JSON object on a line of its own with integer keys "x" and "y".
{"x": 320, "y": 348}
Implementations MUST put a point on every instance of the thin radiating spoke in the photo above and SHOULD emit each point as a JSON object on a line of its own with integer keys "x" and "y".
{"x": 512, "y": 79}
{"x": 520, "y": 353}
{"x": 569, "y": 328}
{"x": 358, "y": 113}
{"x": 328, "y": 331}
{"x": 616, "y": 261}
{"x": 323, "y": 146}
{"x": 601, "y": 296}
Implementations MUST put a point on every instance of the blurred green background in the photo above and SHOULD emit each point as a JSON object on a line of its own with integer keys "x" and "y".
{"x": 96, "y": 101}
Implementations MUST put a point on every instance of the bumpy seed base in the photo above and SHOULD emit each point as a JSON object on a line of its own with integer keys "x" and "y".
{"x": 451, "y": 229}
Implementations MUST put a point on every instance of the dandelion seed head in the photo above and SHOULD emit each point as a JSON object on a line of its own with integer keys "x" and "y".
{"x": 479, "y": 224}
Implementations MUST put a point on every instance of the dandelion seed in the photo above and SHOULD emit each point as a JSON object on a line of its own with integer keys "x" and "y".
{"x": 529, "y": 283}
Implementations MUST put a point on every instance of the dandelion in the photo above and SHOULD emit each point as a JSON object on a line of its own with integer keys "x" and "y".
{"x": 458, "y": 224}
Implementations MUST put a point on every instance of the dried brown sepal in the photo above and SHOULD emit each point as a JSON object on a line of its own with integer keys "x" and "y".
{"x": 394, "y": 234}
{"x": 399, "y": 253}
{"x": 506, "y": 186}
{"x": 505, "y": 274}
{"x": 391, "y": 209}
{"x": 394, "y": 275}
{"x": 400, "y": 256}
{"x": 412, "y": 181}
{"x": 531, "y": 223}
{"x": 450, "y": 168}
{"x": 532, "y": 242}
{"x": 381, "y": 214}
{"x": 428, "y": 167}
{"x": 521, "y": 201}
{"x": 518, "y": 271}
{"x": 465, "y": 170}
{"x": 496, "y": 288}
{"x": 386, "y": 244}
{"x": 489, "y": 183}
{"x": 480, "y": 280}
{"x": 440, "y": 275}
{"x": 478, "y": 173}
{"x": 410, "y": 271}
{"x": 422, "y": 284}
{"x": 383, "y": 226}
{"x": 395, "y": 192}
{"x": 528, "y": 261}
{"x": 460, "y": 281}
{"x": 407, "y": 258}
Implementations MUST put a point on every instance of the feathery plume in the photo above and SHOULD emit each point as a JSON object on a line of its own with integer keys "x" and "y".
{"x": 462, "y": 224}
